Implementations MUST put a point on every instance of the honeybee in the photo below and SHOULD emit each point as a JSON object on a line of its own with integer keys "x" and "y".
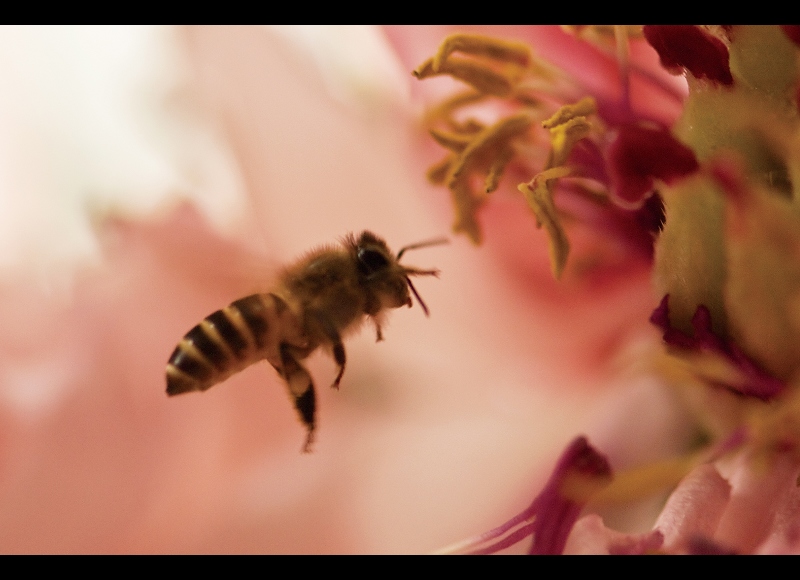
{"x": 324, "y": 295}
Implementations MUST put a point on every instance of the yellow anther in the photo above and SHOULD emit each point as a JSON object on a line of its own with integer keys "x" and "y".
{"x": 468, "y": 127}
{"x": 583, "y": 108}
{"x": 510, "y": 51}
{"x": 482, "y": 77}
{"x": 466, "y": 205}
{"x": 539, "y": 195}
{"x": 455, "y": 142}
{"x": 497, "y": 168}
{"x": 509, "y": 70}
{"x": 567, "y": 126}
{"x": 580, "y": 487}
{"x": 437, "y": 174}
{"x": 641, "y": 482}
{"x": 488, "y": 153}
{"x": 563, "y": 138}
{"x": 490, "y": 142}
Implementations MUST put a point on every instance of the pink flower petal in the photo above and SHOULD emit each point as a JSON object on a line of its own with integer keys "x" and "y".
{"x": 694, "y": 508}
{"x": 761, "y": 496}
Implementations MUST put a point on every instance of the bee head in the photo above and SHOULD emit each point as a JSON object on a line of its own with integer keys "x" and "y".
{"x": 384, "y": 274}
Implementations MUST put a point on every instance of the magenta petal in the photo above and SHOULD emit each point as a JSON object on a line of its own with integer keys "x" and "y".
{"x": 691, "y": 48}
{"x": 555, "y": 513}
{"x": 755, "y": 381}
{"x": 579, "y": 473}
{"x": 638, "y": 155}
{"x": 703, "y": 335}
{"x": 673, "y": 337}
{"x": 660, "y": 316}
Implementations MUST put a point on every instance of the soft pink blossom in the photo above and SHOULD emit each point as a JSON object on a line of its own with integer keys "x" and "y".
{"x": 220, "y": 153}
{"x": 434, "y": 431}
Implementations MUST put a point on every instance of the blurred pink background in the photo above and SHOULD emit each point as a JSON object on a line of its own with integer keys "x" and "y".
{"x": 151, "y": 176}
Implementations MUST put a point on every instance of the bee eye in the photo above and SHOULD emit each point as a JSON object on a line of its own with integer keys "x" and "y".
{"x": 371, "y": 261}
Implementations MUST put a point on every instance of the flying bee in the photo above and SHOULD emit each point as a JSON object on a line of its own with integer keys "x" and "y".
{"x": 315, "y": 301}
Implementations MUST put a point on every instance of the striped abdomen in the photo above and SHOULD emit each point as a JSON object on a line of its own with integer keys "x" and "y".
{"x": 227, "y": 341}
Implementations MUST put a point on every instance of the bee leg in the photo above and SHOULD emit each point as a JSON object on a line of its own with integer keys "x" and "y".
{"x": 301, "y": 388}
{"x": 378, "y": 333}
{"x": 337, "y": 346}
{"x": 340, "y": 358}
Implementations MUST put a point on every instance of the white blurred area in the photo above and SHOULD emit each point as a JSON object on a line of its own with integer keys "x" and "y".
{"x": 106, "y": 119}
{"x": 356, "y": 63}
{"x": 93, "y": 120}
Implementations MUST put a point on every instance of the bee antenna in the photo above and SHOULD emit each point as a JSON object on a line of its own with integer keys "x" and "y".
{"x": 421, "y": 303}
{"x": 425, "y": 244}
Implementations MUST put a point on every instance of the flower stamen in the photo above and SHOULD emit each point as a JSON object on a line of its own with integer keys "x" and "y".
{"x": 455, "y": 142}
{"x": 488, "y": 152}
{"x": 580, "y": 473}
{"x": 539, "y": 195}
{"x": 526, "y": 92}
{"x": 568, "y": 126}
{"x": 480, "y": 76}
{"x": 478, "y": 45}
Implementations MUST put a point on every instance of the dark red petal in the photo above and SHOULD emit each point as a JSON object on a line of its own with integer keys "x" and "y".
{"x": 639, "y": 154}
{"x": 756, "y": 382}
{"x": 652, "y": 215}
{"x": 660, "y": 316}
{"x": 587, "y": 160}
{"x": 691, "y": 48}
{"x": 672, "y": 336}
{"x": 728, "y": 29}
{"x": 703, "y": 335}
{"x": 792, "y": 32}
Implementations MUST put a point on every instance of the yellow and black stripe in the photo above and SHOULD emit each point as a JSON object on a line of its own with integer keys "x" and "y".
{"x": 224, "y": 343}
